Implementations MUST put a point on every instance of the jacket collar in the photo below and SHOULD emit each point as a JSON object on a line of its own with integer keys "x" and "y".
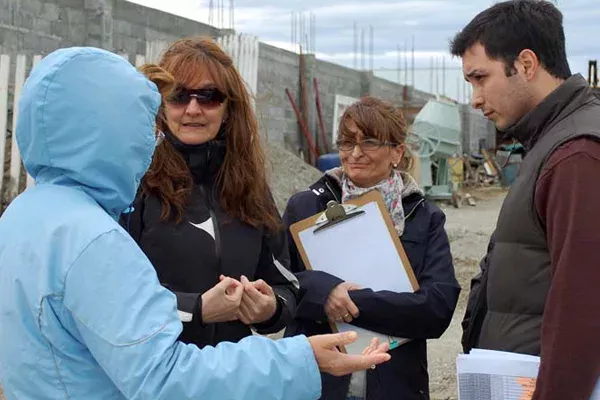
{"x": 568, "y": 97}
{"x": 204, "y": 160}
{"x": 328, "y": 188}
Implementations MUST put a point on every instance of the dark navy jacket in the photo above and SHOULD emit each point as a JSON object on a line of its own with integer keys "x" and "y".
{"x": 420, "y": 316}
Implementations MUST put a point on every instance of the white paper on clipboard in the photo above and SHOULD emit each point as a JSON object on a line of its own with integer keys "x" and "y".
{"x": 360, "y": 250}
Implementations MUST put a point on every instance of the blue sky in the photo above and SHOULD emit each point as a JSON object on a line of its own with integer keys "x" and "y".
{"x": 431, "y": 22}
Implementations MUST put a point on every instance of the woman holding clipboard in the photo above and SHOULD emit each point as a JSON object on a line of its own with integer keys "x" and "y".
{"x": 371, "y": 143}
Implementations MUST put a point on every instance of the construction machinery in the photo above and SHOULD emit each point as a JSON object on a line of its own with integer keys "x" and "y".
{"x": 436, "y": 133}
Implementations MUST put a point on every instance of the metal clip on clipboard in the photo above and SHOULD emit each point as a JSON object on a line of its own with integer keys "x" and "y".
{"x": 336, "y": 213}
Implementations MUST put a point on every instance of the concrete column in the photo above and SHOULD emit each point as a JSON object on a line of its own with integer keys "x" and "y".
{"x": 366, "y": 80}
{"x": 99, "y": 23}
{"x": 310, "y": 63}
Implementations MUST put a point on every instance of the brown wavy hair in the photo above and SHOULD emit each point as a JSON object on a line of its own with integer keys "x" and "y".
{"x": 381, "y": 120}
{"x": 244, "y": 191}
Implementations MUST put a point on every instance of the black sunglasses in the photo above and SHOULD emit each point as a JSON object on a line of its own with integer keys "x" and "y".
{"x": 209, "y": 98}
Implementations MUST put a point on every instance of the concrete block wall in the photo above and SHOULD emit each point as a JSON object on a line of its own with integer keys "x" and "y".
{"x": 335, "y": 80}
{"x": 419, "y": 97}
{"x": 28, "y": 26}
{"x": 394, "y": 92}
{"x": 278, "y": 69}
{"x": 387, "y": 90}
{"x": 36, "y": 26}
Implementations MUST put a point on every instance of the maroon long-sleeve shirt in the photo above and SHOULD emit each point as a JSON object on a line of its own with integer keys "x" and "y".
{"x": 567, "y": 198}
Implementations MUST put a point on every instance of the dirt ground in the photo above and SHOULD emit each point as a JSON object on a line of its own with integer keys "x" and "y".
{"x": 469, "y": 229}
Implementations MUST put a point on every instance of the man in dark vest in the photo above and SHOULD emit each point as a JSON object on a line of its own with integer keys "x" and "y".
{"x": 539, "y": 290}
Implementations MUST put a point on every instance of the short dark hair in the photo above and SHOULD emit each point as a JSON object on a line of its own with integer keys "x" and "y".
{"x": 507, "y": 28}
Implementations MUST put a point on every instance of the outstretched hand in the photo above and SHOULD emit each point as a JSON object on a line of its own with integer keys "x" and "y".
{"x": 336, "y": 363}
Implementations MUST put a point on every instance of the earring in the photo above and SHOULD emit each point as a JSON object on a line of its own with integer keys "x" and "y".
{"x": 395, "y": 165}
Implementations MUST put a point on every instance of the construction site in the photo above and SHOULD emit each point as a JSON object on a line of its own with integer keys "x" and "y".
{"x": 461, "y": 162}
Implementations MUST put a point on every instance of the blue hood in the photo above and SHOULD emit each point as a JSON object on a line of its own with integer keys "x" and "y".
{"x": 86, "y": 120}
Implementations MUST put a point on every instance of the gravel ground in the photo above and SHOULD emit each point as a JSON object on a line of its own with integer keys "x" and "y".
{"x": 288, "y": 174}
{"x": 468, "y": 229}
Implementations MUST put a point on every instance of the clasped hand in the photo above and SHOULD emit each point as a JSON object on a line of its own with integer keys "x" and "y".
{"x": 339, "y": 306}
{"x": 231, "y": 300}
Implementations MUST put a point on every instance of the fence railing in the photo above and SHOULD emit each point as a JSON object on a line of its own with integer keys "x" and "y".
{"x": 242, "y": 48}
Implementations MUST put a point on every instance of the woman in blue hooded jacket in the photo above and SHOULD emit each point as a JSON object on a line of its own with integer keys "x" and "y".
{"x": 82, "y": 314}
{"x": 371, "y": 143}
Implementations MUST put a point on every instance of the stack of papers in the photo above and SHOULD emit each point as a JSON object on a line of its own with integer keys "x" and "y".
{"x": 496, "y": 375}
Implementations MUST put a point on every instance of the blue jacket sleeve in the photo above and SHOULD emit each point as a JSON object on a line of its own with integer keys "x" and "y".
{"x": 188, "y": 304}
{"x": 424, "y": 314}
{"x": 129, "y": 323}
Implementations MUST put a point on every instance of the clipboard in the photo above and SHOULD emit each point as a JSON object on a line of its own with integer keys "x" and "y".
{"x": 357, "y": 242}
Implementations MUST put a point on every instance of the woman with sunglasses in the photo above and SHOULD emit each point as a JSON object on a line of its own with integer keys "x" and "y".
{"x": 374, "y": 156}
{"x": 205, "y": 216}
